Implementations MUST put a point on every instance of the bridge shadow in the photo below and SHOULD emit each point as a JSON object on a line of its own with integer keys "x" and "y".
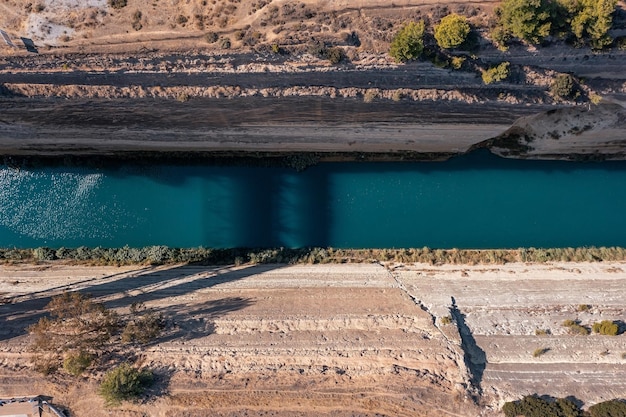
{"x": 474, "y": 357}
{"x": 145, "y": 285}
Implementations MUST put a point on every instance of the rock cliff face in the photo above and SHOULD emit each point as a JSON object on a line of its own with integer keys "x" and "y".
{"x": 576, "y": 133}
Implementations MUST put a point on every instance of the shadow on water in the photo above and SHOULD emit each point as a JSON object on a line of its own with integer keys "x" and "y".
{"x": 278, "y": 209}
{"x": 141, "y": 286}
{"x": 475, "y": 358}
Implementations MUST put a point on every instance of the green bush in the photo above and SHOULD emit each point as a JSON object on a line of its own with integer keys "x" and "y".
{"x": 335, "y": 55}
{"x": 612, "y": 408}
{"x": 44, "y": 254}
{"x": 606, "y": 327}
{"x": 563, "y": 86}
{"x": 496, "y": 74}
{"x": 446, "y": 320}
{"x": 457, "y": 62}
{"x": 575, "y": 327}
{"x": 452, "y": 31}
{"x": 75, "y": 363}
{"x": 124, "y": 383}
{"x": 529, "y": 20}
{"x": 117, "y": 4}
{"x": 408, "y": 43}
{"x": 592, "y": 20}
{"x": 533, "y": 406}
{"x": 540, "y": 351}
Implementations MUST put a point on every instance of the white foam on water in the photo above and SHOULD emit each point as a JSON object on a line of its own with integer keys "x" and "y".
{"x": 51, "y": 205}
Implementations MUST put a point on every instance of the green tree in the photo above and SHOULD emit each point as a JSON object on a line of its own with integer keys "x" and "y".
{"x": 452, "y": 31}
{"x": 592, "y": 19}
{"x": 529, "y": 20}
{"x": 408, "y": 43}
{"x": 612, "y": 408}
{"x": 124, "y": 383}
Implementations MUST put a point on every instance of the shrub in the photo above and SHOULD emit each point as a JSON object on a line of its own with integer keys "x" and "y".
{"x": 529, "y": 20}
{"x": 76, "y": 323}
{"x": 75, "y": 363}
{"x": 542, "y": 332}
{"x": 606, "y": 327}
{"x": 496, "y": 74}
{"x": 563, "y": 86}
{"x": 225, "y": 43}
{"x": 612, "y": 408}
{"x": 583, "y": 307}
{"x": 446, "y": 320}
{"x": 457, "y": 62}
{"x": 181, "y": 19}
{"x": 575, "y": 327}
{"x": 44, "y": 254}
{"x": 540, "y": 351}
{"x": 117, "y": 4}
{"x": 124, "y": 383}
{"x": 452, "y": 31}
{"x": 211, "y": 37}
{"x": 533, "y": 406}
{"x": 335, "y": 55}
{"x": 408, "y": 43}
{"x": 144, "y": 325}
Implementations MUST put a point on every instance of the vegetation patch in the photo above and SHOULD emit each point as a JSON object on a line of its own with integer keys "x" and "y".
{"x": 540, "y": 351}
{"x": 606, "y": 327}
{"x": 564, "y": 87}
{"x": 452, "y": 32}
{"x": 408, "y": 44}
{"x": 535, "y": 406}
{"x": 497, "y": 73}
{"x": 206, "y": 256}
{"x": 87, "y": 330}
{"x": 575, "y": 327}
{"x": 612, "y": 408}
{"x": 124, "y": 383}
{"x": 117, "y": 4}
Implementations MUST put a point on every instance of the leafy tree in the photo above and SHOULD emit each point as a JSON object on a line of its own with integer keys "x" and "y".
{"x": 124, "y": 383}
{"x": 408, "y": 43}
{"x": 612, "y": 408}
{"x": 592, "y": 19}
{"x": 452, "y": 31}
{"x": 529, "y": 20}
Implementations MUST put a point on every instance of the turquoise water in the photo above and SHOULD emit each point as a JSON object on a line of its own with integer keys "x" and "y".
{"x": 475, "y": 201}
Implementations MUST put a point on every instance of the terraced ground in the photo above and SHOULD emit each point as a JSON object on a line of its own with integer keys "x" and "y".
{"x": 355, "y": 339}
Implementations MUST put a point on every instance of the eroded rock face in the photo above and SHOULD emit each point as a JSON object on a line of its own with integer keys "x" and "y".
{"x": 583, "y": 132}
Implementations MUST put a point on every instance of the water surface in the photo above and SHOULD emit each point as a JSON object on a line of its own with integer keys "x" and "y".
{"x": 475, "y": 201}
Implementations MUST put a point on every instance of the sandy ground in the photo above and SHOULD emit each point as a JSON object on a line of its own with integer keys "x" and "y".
{"x": 362, "y": 339}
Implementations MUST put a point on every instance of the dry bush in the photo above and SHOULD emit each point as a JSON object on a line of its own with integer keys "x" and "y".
{"x": 76, "y": 323}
